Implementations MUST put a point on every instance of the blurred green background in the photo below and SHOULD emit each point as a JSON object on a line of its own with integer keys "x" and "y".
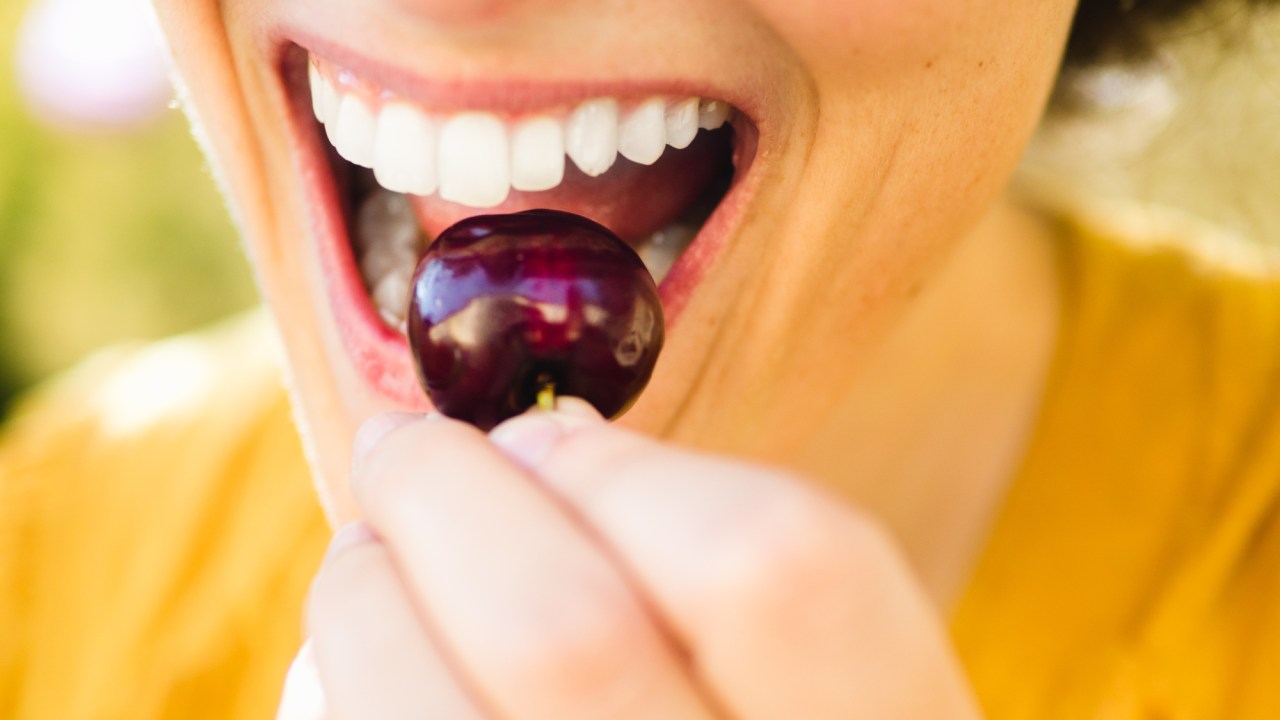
{"x": 111, "y": 235}
{"x": 105, "y": 235}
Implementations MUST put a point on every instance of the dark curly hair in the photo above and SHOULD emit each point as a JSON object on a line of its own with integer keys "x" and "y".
{"x": 1125, "y": 29}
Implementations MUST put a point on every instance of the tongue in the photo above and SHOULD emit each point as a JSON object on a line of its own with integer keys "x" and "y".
{"x": 633, "y": 201}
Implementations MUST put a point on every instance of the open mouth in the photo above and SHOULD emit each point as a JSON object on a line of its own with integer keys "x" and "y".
{"x": 385, "y": 173}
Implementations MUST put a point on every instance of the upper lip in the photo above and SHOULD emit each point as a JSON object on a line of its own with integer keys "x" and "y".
{"x": 506, "y": 95}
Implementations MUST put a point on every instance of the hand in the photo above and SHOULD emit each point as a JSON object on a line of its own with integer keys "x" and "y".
{"x": 564, "y": 568}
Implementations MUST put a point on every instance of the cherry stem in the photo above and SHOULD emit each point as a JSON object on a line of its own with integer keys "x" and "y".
{"x": 546, "y": 394}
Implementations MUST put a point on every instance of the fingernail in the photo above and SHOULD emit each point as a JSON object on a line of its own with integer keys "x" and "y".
{"x": 376, "y": 428}
{"x": 348, "y": 536}
{"x": 530, "y": 438}
{"x": 578, "y": 408}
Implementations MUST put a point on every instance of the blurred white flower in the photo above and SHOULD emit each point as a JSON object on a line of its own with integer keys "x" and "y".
{"x": 92, "y": 63}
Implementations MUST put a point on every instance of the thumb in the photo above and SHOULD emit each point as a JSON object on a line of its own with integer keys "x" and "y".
{"x": 529, "y": 437}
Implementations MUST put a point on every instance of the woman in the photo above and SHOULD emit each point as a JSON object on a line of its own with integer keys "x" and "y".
{"x": 892, "y": 394}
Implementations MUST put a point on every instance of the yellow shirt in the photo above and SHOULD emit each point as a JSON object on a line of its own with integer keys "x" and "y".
{"x": 1134, "y": 571}
{"x": 154, "y": 555}
{"x": 158, "y": 533}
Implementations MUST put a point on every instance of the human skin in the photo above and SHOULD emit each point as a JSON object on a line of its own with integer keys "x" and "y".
{"x": 877, "y": 321}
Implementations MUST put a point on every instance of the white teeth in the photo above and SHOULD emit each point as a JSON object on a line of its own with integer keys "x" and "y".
{"x": 385, "y": 226}
{"x": 329, "y": 100}
{"x": 663, "y": 248}
{"x": 317, "y": 91}
{"x": 643, "y": 134}
{"x": 388, "y": 241}
{"x": 388, "y": 216}
{"x": 682, "y": 123}
{"x": 353, "y": 131}
{"x": 591, "y": 136}
{"x": 474, "y": 160}
{"x": 537, "y": 154}
{"x": 404, "y": 152}
{"x": 391, "y": 297}
{"x": 712, "y": 114}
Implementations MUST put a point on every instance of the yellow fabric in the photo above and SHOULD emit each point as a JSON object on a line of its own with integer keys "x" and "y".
{"x": 154, "y": 555}
{"x": 1134, "y": 571}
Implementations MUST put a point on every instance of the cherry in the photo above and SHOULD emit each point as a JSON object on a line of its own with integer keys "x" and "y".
{"x": 507, "y": 308}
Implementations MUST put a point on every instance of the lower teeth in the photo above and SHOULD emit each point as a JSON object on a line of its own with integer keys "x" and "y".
{"x": 662, "y": 248}
{"x": 388, "y": 243}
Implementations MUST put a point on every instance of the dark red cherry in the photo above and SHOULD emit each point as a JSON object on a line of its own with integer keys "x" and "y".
{"x": 504, "y": 307}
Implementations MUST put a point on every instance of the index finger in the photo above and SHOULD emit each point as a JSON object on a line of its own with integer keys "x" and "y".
{"x": 532, "y": 610}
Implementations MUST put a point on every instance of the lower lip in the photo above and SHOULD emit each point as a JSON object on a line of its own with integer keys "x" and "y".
{"x": 381, "y": 354}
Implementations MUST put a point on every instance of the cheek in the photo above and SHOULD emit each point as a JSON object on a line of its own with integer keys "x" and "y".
{"x": 858, "y": 42}
{"x": 937, "y": 93}
{"x": 829, "y": 34}
{"x": 919, "y": 110}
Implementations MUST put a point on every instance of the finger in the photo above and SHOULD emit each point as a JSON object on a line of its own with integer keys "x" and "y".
{"x": 537, "y": 616}
{"x": 303, "y": 696}
{"x": 374, "y": 656}
{"x": 792, "y": 605}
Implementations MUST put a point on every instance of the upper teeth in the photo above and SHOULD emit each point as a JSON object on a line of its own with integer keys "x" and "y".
{"x": 474, "y": 158}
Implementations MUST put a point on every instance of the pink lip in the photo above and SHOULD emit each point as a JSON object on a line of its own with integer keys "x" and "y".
{"x": 380, "y": 353}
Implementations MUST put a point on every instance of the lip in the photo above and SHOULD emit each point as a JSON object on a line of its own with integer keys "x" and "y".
{"x": 380, "y": 353}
